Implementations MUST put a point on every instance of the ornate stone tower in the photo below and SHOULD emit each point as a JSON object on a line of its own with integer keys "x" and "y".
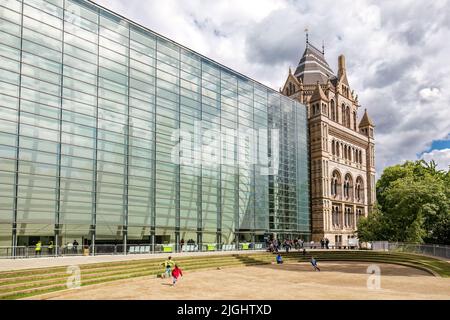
{"x": 342, "y": 158}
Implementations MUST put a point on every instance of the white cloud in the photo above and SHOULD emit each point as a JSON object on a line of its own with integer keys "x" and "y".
{"x": 441, "y": 157}
{"x": 397, "y": 53}
{"x": 430, "y": 93}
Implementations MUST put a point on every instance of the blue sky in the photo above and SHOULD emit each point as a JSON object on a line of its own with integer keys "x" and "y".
{"x": 397, "y": 55}
{"x": 439, "y": 145}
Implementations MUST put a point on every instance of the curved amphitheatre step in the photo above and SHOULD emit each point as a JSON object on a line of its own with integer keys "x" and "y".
{"x": 157, "y": 268}
{"x": 36, "y": 271}
{"x": 147, "y": 263}
{"x": 94, "y": 280}
{"x": 138, "y": 268}
{"x": 191, "y": 264}
{"x": 4, "y": 276}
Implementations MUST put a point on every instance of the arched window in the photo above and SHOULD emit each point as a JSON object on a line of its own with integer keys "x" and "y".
{"x": 348, "y": 186}
{"x": 359, "y": 189}
{"x": 347, "y": 117}
{"x": 354, "y": 120}
{"x": 348, "y": 217}
{"x": 360, "y": 157}
{"x": 335, "y": 216}
{"x": 343, "y": 115}
{"x": 332, "y": 148}
{"x": 337, "y": 149}
{"x": 345, "y": 152}
{"x": 335, "y": 183}
{"x": 333, "y": 115}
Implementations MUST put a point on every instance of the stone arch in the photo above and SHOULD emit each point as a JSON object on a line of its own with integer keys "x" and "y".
{"x": 359, "y": 189}
{"x": 333, "y": 111}
{"x": 336, "y": 183}
{"x": 347, "y": 117}
{"x": 348, "y": 185}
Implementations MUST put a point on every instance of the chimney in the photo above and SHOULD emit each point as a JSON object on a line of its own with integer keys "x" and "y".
{"x": 341, "y": 66}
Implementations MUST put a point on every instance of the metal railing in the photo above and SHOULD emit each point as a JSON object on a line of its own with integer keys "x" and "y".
{"x": 436, "y": 250}
{"x": 120, "y": 249}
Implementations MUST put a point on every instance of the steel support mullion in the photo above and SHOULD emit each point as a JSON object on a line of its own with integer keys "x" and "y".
{"x": 58, "y": 177}
{"x": 219, "y": 163}
{"x": 255, "y": 157}
{"x": 127, "y": 153}
{"x": 153, "y": 190}
{"x": 198, "y": 137}
{"x": 16, "y": 169}
{"x": 237, "y": 167}
{"x": 93, "y": 226}
{"x": 178, "y": 166}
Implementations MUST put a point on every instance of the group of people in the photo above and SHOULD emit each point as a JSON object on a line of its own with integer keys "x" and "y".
{"x": 275, "y": 245}
{"x": 189, "y": 242}
{"x": 324, "y": 242}
{"x": 38, "y": 248}
{"x": 171, "y": 269}
{"x": 68, "y": 247}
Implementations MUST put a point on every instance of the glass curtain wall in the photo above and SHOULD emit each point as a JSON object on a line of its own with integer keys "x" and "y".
{"x": 110, "y": 133}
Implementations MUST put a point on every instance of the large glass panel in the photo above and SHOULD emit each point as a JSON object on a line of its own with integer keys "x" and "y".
{"x": 103, "y": 159}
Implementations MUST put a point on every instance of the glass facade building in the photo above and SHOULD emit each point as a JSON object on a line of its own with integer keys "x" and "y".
{"x": 104, "y": 128}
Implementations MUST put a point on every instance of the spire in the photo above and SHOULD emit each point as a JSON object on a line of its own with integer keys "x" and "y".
{"x": 307, "y": 37}
{"x": 290, "y": 71}
{"x": 318, "y": 94}
{"x": 366, "y": 121}
{"x": 312, "y": 66}
{"x": 342, "y": 70}
{"x": 323, "y": 47}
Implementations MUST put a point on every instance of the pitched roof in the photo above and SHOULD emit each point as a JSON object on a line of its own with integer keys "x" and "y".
{"x": 366, "y": 120}
{"x": 313, "y": 67}
{"x": 318, "y": 94}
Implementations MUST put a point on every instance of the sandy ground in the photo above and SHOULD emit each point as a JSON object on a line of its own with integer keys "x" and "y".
{"x": 344, "y": 280}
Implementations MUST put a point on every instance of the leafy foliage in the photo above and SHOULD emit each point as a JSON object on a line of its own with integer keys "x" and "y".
{"x": 413, "y": 205}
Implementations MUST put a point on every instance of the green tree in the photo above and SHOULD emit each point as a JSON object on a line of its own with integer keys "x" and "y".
{"x": 414, "y": 205}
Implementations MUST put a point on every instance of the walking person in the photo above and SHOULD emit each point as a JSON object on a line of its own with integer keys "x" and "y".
{"x": 167, "y": 267}
{"x": 327, "y": 243}
{"x": 38, "y": 248}
{"x": 50, "y": 248}
{"x": 181, "y": 244}
{"x": 176, "y": 273}
{"x": 75, "y": 246}
{"x": 314, "y": 264}
{"x": 322, "y": 243}
{"x": 286, "y": 245}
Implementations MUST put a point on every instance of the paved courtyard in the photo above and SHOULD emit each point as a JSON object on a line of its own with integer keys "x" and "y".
{"x": 345, "y": 280}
